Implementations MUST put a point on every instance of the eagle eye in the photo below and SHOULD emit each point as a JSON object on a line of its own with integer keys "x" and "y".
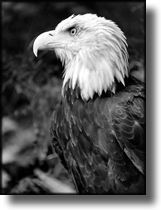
{"x": 73, "y": 31}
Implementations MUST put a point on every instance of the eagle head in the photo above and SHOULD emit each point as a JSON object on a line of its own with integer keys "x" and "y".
{"x": 93, "y": 51}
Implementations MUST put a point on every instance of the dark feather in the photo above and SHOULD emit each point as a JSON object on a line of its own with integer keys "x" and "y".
{"x": 101, "y": 142}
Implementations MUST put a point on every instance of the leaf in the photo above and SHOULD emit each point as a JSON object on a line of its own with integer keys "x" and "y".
{"x": 52, "y": 184}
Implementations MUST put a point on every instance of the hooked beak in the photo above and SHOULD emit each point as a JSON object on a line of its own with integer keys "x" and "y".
{"x": 44, "y": 41}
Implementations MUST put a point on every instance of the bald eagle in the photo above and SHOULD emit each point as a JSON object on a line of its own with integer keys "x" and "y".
{"x": 98, "y": 128}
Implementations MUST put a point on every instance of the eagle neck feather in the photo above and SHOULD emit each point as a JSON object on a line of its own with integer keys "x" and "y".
{"x": 94, "y": 73}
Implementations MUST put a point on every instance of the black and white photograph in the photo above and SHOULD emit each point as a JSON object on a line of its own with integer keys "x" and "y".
{"x": 73, "y": 98}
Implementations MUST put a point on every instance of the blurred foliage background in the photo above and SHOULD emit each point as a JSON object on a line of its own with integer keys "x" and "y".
{"x": 31, "y": 88}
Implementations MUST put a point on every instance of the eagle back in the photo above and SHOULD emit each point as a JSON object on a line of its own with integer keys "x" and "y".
{"x": 101, "y": 141}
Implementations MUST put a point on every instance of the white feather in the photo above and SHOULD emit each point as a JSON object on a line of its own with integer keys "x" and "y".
{"x": 102, "y": 55}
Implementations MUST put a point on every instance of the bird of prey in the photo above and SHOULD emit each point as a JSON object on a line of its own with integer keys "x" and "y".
{"x": 98, "y": 129}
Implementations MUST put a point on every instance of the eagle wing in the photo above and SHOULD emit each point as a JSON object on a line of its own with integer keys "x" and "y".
{"x": 102, "y": 142}
{"x": 128, "y": 125}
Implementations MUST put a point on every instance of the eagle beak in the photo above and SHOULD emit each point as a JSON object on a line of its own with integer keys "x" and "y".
{"x": 44, "y": 41}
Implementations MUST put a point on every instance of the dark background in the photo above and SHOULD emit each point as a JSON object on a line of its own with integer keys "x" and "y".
{"x": 31, "y": 86}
